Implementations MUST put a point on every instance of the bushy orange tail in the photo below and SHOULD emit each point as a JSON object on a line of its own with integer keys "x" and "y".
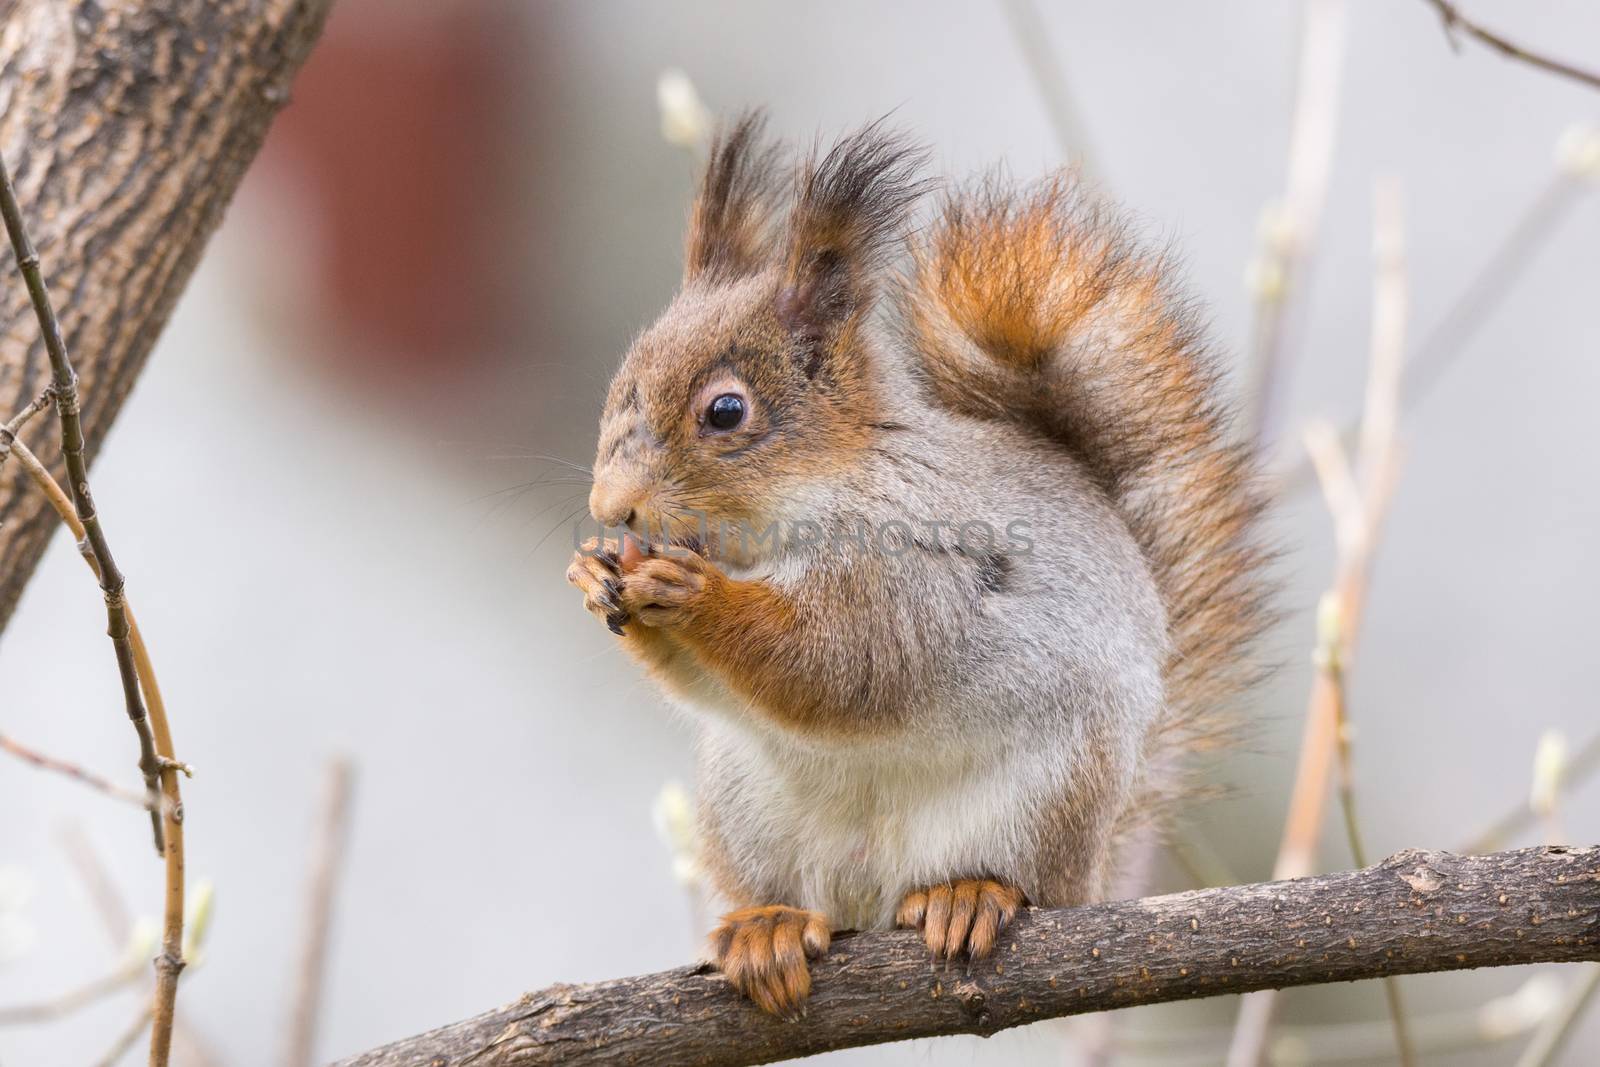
{"x": 1036, "y": 307}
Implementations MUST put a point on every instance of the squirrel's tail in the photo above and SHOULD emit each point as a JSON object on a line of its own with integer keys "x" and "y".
{"x": 1035, "y": 307}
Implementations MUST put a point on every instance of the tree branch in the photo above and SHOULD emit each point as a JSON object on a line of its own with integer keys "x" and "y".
{"x": 128, "y": 125}
{"x": 148, "y": 801}
{"x": 327, "y": 852}
{"x": 1454, "y": 20}
{"x": 1290, "y": 226}
{"x": 171, "y": 960}
{"x": 1358, "y": 498}
{"x": 64, "y": 390}
{"x": 1032, "y": 37}
{"x": 1415, "y": 912}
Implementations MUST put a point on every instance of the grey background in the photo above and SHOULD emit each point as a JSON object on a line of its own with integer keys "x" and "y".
{"x": 316, "y": 575}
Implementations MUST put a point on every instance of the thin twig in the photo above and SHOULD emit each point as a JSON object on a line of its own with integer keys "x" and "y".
{"x": 1579, "y": 768}
{"x": 64, "y": 386}
{"x": 1289, "y": 230}
{"x": 1200, "y": 861}
{"x": 1358, "y": 502}
{"x": 112, "y": 908}
{"x": 1044, "y": 63}
{"x": 169, "y": 964}
{"x": 1327, "y": 660}
{"x": 1358, "y": 534}
{"x": 1329, "y": 663}
{"x": 1447, "y": 341}
{"x": 1444, "y": 344}
{"x": 74, "y": 999}
{"x": 1547, "y": 1043}
{"x": 103, "y": 892}
{"x": 1340, "y": 493}
{"x": 79, "y": 774}
{"x": 1380, "y": 413}
{"x": 199, "y": 925}
{"x": 126, "y": 1039}
{"x": 327, "y": 852}
{"x": 8, "y": 432}
{"x": 1454, "y": 20}
{"x": 1495, "y": 1021}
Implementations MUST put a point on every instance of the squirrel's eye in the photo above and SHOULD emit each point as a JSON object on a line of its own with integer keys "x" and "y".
{"x": 726, "y": 412}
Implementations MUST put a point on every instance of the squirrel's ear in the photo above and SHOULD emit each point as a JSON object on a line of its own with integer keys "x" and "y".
{"x": 848, "y": 209}
{"x": 728, "y": 225}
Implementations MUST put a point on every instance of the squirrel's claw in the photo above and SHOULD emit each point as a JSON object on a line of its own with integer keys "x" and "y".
{"x": 964, "y": 916}
{"x": 763, "y": 952}
{"x": 595, "y": 571}
{"x": 663, "y": 590}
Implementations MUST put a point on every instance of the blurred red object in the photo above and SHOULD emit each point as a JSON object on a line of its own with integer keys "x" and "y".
{"x": 391, "y": 143}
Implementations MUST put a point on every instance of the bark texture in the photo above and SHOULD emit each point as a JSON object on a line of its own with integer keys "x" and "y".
{"x": 1415, "y": 912}
{"x": 127, "y": 125}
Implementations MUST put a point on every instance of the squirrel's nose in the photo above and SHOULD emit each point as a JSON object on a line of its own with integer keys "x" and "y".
{"x": 610, "y": 505}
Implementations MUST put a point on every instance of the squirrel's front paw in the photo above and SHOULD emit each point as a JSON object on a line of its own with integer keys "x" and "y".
{"x": 596, "y": 569}
{"x": 764, "y": 953}
{"x": 961, "y": 916}
{"x": 664, "y": 590}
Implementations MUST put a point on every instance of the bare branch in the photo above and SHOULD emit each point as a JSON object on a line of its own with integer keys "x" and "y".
{"x": 8, "y": 432}
{"x": 327, "y": 852}
{"x": 1358, "y": 501}
{"x": 85, "y": 104}
{"x": 102, "y": 890}
{"x": 1579, "y": 768}
{"x": 1416, "y": 912}
{"x": 74, "y": 1000}
{"x": 126, "y": 1039}
{"x": 170, "y": 962}
{"x": 1454, "y": 20}
{"x": 1330, "y": 663}
{"x": 77, "y": 773}
{"x": 1044, "y": 63}
{"x": 1501, "y": 1019}
{"x": 1447, "y": 341}
{"x": 1547, "y": 1043}
{"x": 64, "y": 390}
{"x": 1289, "y": 228}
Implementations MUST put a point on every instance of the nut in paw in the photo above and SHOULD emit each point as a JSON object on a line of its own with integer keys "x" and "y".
{"x": 764, "y": 953}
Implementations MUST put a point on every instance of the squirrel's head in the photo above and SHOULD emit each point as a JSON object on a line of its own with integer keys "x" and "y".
{"x": 757, "y": 380}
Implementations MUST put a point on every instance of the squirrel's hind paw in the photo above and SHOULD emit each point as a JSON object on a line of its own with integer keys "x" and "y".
{"x": 961, "y": 916}
{"x": 764, "y": 953}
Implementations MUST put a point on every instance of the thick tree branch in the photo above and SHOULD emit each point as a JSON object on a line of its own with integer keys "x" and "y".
{"x": 1415, "y": 912}
{"x": 128, "y": 124}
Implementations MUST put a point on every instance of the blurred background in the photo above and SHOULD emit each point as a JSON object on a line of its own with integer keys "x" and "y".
{"x": 340, "y": 489}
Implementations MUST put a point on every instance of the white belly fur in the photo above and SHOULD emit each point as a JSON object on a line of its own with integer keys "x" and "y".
{"x": 847, "y": 831}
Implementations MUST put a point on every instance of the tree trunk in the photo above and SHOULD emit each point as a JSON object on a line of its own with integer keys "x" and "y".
{"x": 1415, "y": 912}
{"x": 127, "y": 125}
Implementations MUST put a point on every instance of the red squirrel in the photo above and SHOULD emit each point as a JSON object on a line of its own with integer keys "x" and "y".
{"x": 902, "y": 723}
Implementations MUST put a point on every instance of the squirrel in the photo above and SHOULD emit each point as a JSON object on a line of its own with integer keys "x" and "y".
{"x": 903, "y": 722}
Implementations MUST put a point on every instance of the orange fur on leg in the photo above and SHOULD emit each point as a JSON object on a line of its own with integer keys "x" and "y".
{"x": 964, "y": 916}
{"x": 763, "y": 952}
{"x": 744, "y": 632}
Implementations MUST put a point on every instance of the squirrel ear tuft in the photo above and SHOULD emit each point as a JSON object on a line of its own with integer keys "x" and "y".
{"x": 849, "y": 207}
{"x": 728, "y": 225}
